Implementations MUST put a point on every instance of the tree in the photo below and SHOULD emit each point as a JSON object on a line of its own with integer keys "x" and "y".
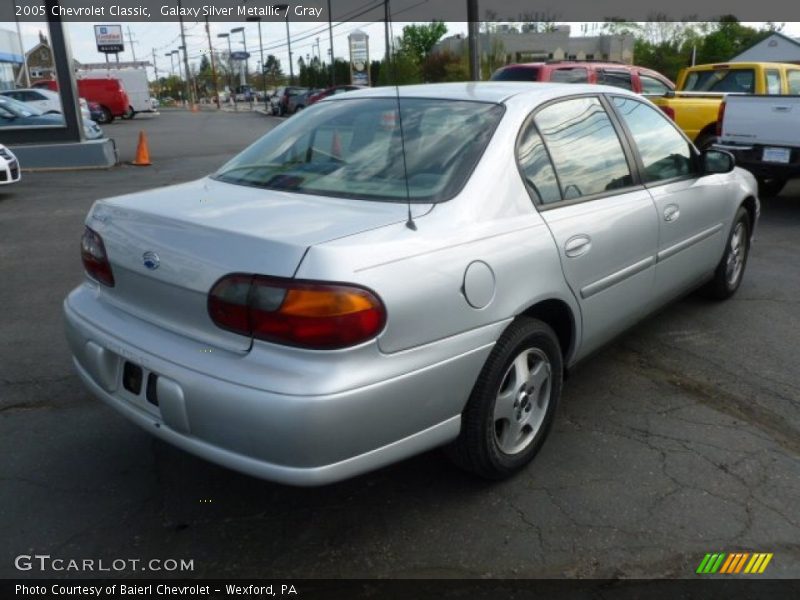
{"x": 418, "y": 40}
{"x": 273, "y": 73}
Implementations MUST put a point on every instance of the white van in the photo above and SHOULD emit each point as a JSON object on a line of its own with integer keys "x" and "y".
{"x": 135, "y": 83}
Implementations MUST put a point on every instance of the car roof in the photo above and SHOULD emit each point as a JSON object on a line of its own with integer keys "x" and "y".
{"x": 480, "y": 91}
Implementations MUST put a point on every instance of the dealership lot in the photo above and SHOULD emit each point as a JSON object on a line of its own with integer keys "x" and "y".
{"x": 681, "y": 438}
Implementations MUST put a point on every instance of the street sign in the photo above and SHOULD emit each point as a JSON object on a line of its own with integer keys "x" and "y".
{"x": 239, "y": 55}
{"x": 109, "y": 38}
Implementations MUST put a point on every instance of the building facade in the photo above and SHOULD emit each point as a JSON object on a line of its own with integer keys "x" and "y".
{"x": 10, "y": 58}
{"x": 775, "y": 48}
{"x": 532, "y": 46}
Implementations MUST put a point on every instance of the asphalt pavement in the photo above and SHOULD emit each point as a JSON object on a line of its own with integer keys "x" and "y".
{"x": 680, "y": 438}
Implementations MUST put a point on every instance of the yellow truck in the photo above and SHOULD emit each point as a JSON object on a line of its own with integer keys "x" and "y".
{"x": 695, "y": 104}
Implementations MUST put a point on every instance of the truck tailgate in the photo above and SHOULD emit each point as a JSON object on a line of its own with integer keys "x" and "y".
{"x": 764, "y": 120}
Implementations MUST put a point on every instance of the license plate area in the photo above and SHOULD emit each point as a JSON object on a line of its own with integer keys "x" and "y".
{"x": 776, "y": 155}
{"x": 136, "y": 380}
{"x": 132, "y": 377}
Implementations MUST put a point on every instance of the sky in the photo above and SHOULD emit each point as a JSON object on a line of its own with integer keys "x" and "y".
{"x": 164, "y": 37}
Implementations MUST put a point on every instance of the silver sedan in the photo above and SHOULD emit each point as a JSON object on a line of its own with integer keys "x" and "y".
{"x": 400, "y": 269}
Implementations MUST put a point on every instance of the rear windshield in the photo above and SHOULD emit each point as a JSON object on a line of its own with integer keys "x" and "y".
{"x": 352, "y": 148}
{"x": 721, "y": 80}
{"x": 516, "y": 74}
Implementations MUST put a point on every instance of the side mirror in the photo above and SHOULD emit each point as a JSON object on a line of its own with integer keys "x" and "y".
{"x": 717, "y": 161}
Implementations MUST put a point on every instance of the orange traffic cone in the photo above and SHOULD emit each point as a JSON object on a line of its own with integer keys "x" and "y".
{"x": 142, "y": 152}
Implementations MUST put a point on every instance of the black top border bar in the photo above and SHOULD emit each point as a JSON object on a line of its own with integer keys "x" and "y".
{"x": 120, "y": 11}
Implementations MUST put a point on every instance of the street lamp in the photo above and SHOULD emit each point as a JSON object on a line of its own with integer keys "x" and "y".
{"x": 243, "y": 69}
{"x": 230, "y": 62}
{"x": 288, "y": 41}
{"x": 171, "y": 63}
{"x": 263, "y": 64}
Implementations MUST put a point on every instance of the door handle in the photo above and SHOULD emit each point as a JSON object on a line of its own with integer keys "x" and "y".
{"x": 672, "y": 212}
{"x": 577, "y": 245}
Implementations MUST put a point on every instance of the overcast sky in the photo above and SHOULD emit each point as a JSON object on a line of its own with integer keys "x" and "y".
{"x": 164, "y": 37}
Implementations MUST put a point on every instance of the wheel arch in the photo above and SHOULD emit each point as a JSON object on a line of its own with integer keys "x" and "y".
{"x": 561, "y": 318}
{"x": 749, "y": 204}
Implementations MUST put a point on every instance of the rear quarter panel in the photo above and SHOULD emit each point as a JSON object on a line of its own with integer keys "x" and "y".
{"x": 420, "y": 274}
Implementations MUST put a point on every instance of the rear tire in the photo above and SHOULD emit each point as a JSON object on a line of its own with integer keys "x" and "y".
{"x": 511, "y": 408}
{"x": 770, "y": 187}
{"x": 730, "y": 271}
{"x": 129, "y": 114}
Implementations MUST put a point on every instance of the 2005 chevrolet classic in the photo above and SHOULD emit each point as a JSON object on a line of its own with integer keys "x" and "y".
{"x": 398, "y": 269}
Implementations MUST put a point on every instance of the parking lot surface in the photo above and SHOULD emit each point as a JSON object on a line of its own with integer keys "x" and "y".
{"x": 679, "y": 439}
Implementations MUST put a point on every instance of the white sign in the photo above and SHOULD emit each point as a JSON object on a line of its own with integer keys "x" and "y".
{"x": 109, "y": 38}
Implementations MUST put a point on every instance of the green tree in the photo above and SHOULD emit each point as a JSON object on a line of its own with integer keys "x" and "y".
{"x": 273, "y": 72}
{"x": 418, "y": 40}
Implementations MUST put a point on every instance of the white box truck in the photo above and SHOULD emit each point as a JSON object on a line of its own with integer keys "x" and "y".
{"x": 135, "y": 83}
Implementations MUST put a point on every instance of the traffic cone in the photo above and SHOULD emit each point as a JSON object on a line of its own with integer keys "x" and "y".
{"x": 142, "y": 152}
{"x": 195, "y": 108}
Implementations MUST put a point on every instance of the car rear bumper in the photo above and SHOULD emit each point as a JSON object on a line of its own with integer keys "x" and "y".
{"x": 750, "y": 157}
{"x": 283, "y": 437}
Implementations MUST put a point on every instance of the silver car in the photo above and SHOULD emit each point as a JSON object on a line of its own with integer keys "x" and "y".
{"x": 396, "y": 270}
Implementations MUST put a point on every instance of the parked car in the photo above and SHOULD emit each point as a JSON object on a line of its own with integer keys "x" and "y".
{"x": 371, "y": 291}
{"x": 701, "y": 89}
{"x": 107, "y": 92}
{"x": 299, "y": 101}
{"x": 16, "y": 114}
{"x": 628, "y": 77}
{"x": 332, "y": 91}
{"x": 763, "y": 134}
{"x": 9, "y": 167}
{"x": 280, "y": 102}
{"x": 44, "y": 100}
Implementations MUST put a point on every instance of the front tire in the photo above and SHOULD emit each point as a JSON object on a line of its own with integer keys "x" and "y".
{"x": 511, "y": 408}
{"x": 730, "y": 271}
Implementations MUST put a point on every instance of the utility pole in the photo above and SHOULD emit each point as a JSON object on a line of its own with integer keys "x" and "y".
{"x": 387, "y": 19}
{"x": 131, "y": 42}
{"x": 213, "y": 64}
{"x": 474, "y": 52}
{"x": 155, "y": 68}
{"x": 330, "y": 35}
{"x": 190, "y": 90}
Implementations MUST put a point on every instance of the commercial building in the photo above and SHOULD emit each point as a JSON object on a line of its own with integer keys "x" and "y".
{"x": 10, "y": 58}
{"x": 526, "y": 45}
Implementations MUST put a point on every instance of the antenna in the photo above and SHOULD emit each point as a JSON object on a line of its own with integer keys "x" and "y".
{"x": 410, "y": 221}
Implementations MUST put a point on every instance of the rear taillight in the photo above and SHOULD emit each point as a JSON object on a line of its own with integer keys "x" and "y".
{"x": 95, "y": 259}
{"x": 308, "y": 314}
{"x": 720, "y": 117}
{"x": 669, "y": 111}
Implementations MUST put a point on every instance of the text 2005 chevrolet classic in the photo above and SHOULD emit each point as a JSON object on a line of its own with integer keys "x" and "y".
{"x": 398, "y": 269}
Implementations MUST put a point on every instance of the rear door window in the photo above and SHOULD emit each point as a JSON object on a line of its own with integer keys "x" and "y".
{"x": 652, "y": 86}
{"x": 536, "y": 168}
{"x": 616, "y": 77}
{"x": 516, "y": 74}
{"x": 793, "y": 81}
{"x": 570, "y": 75}
{"x": 584, "y": 146}
{"x": 772, "y": 80}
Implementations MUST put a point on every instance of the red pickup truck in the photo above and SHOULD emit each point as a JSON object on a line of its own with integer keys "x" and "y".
{"x": 107, "y": 92}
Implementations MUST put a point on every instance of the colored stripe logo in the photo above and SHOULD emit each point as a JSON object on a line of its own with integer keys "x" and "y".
{"x": 734, "y": 563}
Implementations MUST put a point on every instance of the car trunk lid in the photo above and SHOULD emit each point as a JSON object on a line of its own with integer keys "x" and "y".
{"x": 168, "y": 247}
